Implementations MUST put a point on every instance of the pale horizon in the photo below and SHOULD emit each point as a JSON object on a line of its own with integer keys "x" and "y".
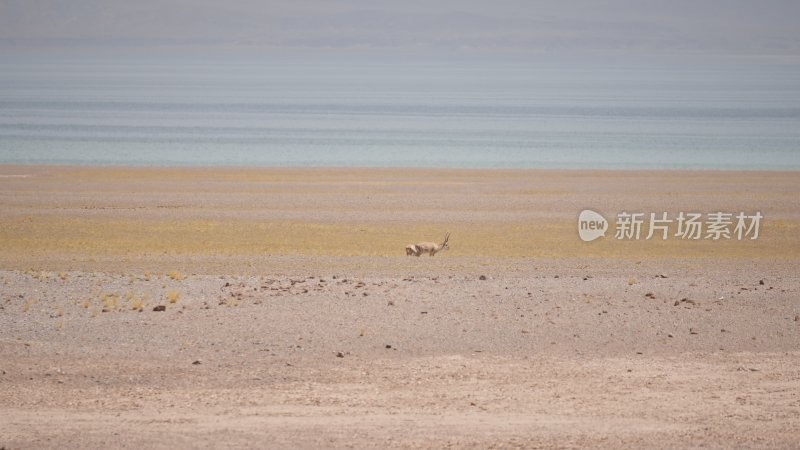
{"x": 518, "y": 31}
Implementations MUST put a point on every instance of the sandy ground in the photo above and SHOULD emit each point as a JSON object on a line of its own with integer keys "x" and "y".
{"x": 292, "y": 317}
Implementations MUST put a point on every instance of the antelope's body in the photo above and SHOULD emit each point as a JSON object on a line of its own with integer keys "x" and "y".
{"x": 430, "y": 248}
{"x": 411, "y": 249}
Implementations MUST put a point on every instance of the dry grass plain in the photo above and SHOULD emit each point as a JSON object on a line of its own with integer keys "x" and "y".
{"x": 292, "y": 317}
{"x": 108, "y": 219}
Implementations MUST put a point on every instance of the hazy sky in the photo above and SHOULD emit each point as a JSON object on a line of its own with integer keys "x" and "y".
{"x": 515, "y": 30}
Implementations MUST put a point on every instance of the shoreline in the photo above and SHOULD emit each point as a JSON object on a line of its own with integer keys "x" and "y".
{"x": 423, "y": 169}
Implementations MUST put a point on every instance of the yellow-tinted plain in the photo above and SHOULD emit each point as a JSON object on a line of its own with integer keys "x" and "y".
{"x": 82, "y": 214}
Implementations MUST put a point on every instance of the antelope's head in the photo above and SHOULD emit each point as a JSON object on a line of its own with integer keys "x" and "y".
{"x": 445, "y": 245}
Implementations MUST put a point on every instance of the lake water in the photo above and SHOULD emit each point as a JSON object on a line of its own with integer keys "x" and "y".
{"x": 395, "y": 115}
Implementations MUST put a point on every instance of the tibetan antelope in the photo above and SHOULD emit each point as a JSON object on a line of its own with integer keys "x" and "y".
{"x": 431, "y": 247}
{"x": 411, "y": 249}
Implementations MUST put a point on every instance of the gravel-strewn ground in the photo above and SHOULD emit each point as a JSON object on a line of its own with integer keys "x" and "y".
{"x": 414, "y": 362}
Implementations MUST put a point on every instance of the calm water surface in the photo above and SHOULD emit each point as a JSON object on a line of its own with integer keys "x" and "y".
{"x": 394, "y": 115}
